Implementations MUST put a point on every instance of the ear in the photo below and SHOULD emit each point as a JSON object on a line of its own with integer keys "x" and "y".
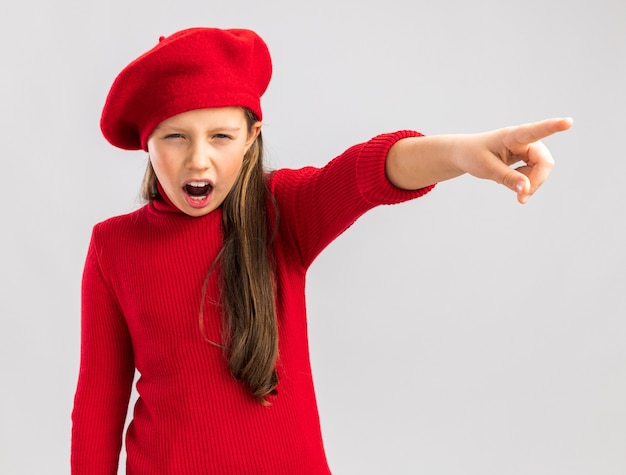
{"x": 255, "y": 130}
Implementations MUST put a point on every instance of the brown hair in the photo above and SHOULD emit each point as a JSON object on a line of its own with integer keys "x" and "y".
{"x": 250, "y": 332}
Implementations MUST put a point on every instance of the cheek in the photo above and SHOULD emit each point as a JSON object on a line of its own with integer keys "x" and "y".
{"x": 162, "y": 168}
{"x": 232, "y": 169}
{"x": 156, "y": 167}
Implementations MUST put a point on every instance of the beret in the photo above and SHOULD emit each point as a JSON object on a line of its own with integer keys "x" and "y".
{"x": 192, "y": 69}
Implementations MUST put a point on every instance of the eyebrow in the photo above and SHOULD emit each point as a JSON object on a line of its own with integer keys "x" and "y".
{"x": 212, "y": 129}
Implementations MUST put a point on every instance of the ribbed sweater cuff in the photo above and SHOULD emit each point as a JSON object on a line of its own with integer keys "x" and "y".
{"x": 371, "y": 177}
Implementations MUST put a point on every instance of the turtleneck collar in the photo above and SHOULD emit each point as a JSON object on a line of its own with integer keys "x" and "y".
{"x": 163, "y": 204}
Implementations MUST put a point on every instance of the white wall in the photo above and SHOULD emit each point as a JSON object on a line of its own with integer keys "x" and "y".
{"x": 460, "y": 333}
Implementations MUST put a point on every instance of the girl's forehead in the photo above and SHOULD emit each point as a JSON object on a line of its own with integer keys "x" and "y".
{"x": 227, "y": 116}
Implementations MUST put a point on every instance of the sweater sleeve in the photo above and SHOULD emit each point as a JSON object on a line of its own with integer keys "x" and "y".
{"x": 317, "y": 204}
{"x": 105, "y": 376}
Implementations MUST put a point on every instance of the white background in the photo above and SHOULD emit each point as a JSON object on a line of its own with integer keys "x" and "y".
{"x": 460, "y": 333}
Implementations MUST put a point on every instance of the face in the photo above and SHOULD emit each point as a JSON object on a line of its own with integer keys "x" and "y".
{"x": 197, "y": 156}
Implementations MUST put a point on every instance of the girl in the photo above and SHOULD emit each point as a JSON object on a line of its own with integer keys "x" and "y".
{"x": 202, "y": 289}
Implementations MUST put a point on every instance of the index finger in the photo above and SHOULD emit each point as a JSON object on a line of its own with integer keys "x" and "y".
{"x": 523, "y": 135}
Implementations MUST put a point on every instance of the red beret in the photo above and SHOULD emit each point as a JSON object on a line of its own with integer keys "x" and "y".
{"x": 191, "y": 69}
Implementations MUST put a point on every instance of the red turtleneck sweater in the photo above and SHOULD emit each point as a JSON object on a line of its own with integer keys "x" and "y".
{"x": 141, "y": 293}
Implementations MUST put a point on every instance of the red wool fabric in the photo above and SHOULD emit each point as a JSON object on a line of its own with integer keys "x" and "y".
{"x": 192, "y": 69}
{"x": 140, "y": 309}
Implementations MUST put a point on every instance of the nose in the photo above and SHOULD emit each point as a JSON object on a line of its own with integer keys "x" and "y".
{"x": 199, "y": 156}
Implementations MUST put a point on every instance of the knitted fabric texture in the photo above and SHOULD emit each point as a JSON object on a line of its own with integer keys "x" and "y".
{"x": 191, "y": 69}
{"x": 142, "y": 287}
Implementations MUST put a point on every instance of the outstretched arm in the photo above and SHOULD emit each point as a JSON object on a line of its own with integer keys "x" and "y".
{"x": 416, "y": 162}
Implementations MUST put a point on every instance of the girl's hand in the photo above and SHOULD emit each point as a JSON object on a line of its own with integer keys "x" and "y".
{"x": 491, "y": 155}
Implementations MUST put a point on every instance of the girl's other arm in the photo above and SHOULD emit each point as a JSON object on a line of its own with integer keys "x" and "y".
{"x": 416, "y": 162}
{"x": 105, "y": 376}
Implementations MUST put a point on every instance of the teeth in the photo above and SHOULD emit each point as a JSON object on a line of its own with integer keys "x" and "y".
{"x": 198, "y": 184}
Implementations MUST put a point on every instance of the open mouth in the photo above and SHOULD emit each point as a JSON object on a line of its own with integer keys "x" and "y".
{"x": 198, "y": 189}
